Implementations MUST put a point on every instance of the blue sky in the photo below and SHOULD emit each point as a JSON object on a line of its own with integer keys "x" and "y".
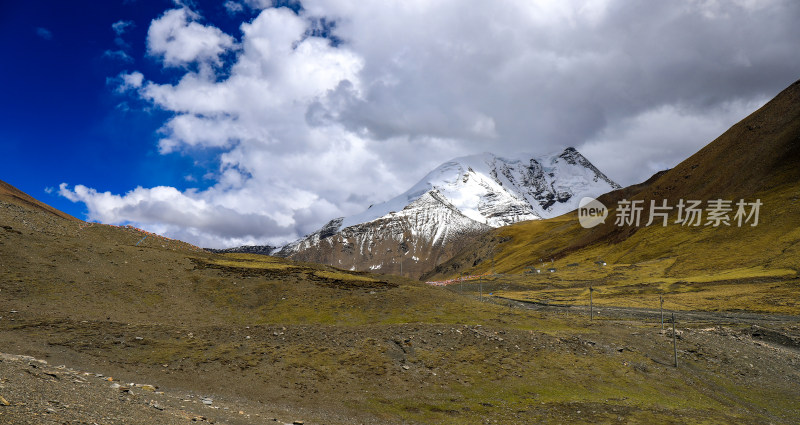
{"x": 62, "y": 120}
{"x": 232, "y": 122}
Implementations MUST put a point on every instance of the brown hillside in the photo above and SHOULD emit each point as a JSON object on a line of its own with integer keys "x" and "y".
{"x": 758, "y": 158}
{"x": 13, "y": 195}
{"x": 759, "y": 153}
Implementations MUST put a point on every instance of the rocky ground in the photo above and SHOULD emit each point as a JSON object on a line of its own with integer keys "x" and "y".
{"x": 32, "y": 391}
{"x": 611, "y": 371}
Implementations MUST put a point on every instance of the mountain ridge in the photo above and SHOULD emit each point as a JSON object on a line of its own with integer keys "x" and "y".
{"x": 402, "y": 242}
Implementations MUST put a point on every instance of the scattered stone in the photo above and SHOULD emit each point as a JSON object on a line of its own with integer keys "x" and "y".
{"x": 155, "y": 405}
{"x": 207, "y": 401}
{"x": 121, "y": 388}
{"x": 4, "y": 402}
{"x": 406, "y": 367}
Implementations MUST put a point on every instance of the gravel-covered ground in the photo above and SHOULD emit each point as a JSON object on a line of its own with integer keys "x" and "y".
{"x": 32, "y": 391}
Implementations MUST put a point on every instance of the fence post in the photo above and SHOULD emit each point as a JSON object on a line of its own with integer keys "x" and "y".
{"x": 674, "y": 341}
{"x": 591, "y": 304}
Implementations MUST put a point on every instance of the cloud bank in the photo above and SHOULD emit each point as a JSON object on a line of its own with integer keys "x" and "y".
{"x": 321, "y": 112}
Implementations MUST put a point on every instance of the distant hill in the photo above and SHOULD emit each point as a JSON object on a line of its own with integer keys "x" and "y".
{"x": 246, "y": 249}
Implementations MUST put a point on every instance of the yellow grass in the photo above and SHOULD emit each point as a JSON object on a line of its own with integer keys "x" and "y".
{"x": 251, "y": 261}
{"x": 703, "y": 268}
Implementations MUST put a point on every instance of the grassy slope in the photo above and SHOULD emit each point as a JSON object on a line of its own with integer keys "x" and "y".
{"x": 749, "y": 268}
{"x": 337, "y": 344}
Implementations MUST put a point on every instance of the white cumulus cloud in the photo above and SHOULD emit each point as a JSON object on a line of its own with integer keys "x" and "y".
{"x": 179, "y": 39}
{"x": 320, "y": 113}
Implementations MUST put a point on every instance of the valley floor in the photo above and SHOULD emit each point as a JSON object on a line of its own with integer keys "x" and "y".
{"x": 572, "y": 370}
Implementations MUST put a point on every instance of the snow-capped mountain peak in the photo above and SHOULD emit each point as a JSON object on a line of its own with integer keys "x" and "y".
{"x": 466, "y": 196}
{"x": 498, "y": 191}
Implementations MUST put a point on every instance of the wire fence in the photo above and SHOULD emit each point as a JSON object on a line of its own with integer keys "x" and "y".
{"x": 781, "y": 330}
{"x": 578, "y": 300}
